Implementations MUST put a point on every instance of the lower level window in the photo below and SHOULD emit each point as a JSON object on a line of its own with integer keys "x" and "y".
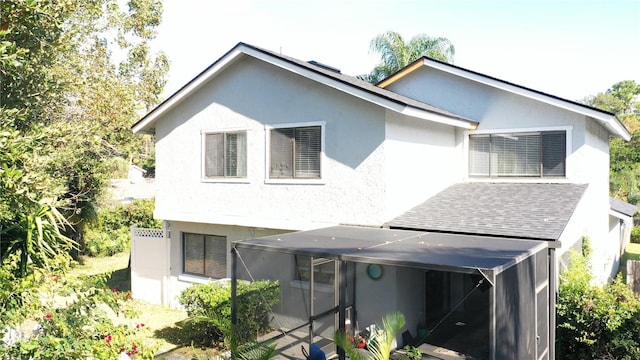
{"x": 205, "y": 255}
{"x": 323, "y": 270}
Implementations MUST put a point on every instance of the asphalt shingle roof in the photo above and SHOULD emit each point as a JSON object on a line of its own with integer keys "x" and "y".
{"x": 622, "y": 207}
{"x": 523, "y": 210}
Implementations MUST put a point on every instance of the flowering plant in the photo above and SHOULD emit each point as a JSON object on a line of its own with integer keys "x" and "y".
{"x": 77, "y": 322}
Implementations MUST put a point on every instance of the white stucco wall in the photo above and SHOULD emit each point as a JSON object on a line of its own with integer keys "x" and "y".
{"x": 421, "y": 159}
{"x": 251, "y": 97}
{"x": 177, "y": 281}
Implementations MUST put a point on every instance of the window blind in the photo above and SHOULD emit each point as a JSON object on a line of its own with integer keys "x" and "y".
{"x": 554, "y": 153}
{"x": 225, "y": 155}
{"x": 295, "y": 152}
{"x": 479, "y": 155}
{"x": 215, "y": 256}
{"x": 281, "y": 153}
{"x": 214, "y": 155}
{"x": 307, "y": 152}
{"x": 518, "y": 154}
{"x": 205, "y": 255}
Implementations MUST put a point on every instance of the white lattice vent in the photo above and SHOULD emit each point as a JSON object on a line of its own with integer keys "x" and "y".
{"x": 148, "y": 233}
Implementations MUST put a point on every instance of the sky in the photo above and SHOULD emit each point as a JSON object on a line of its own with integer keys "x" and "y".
{"x": 568, "y": 48}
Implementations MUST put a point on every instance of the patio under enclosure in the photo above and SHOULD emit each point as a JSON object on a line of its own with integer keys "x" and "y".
{"x": 463, "y": 296}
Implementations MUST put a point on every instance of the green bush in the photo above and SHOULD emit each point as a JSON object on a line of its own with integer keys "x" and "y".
{"x": 209, "y": 305}
{"x": 595, "y": 322}
{"x": 110, "y": 233}
{"x": 106, "y": 243}
{"x": 78, "y": 317}
{"x": 635, "y": 234}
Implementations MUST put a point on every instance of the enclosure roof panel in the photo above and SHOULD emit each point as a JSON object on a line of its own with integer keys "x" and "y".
{"x": 425, "y": 250}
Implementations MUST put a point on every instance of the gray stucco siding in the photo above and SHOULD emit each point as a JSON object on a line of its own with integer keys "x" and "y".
{"x": 253, "y": 97}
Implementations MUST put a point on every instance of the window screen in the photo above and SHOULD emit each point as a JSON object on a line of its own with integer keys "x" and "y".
{"x": 225, "y": 154}
{"x": 538, "y": 154}
{"x": 205, "y": 255}
{"x": 295, "y": 152}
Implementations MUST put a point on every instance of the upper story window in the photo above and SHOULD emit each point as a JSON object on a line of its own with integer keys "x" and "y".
{"x": 225, "y": 154}
{"x": 295, "y": 152}
{"x": 205, "y": 255}
{"x": 527, "y": 154}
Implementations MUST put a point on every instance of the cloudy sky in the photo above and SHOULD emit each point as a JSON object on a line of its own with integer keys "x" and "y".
{"x": 569, "y": 48}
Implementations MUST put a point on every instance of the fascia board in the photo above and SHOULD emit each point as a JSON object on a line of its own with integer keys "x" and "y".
{"x": 609, "y": 121}
{"x": 421, "y": 114}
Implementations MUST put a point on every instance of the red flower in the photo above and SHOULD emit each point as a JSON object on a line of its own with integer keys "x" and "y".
{"x": 108, "y": 338}
{"x": 48, "y": 316}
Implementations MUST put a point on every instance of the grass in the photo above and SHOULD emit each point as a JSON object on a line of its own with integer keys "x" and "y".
{"x": 632, "y": 252}
{"x": 166, "y": 324}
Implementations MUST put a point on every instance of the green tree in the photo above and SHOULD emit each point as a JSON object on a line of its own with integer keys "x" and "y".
{"x": 595, "y": 322}
{"x": 74, "y": 76}
{"x": 624, "y": 156}
{"x": 395, "y": 53}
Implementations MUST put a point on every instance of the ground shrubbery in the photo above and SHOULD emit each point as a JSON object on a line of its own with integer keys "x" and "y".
{"x": 209, "y": 307}
{"x": 635, "y": 234}
{"x": 110, "y": 234}
{"x": 596, "y": 322}
{"x": 74, "y": 317}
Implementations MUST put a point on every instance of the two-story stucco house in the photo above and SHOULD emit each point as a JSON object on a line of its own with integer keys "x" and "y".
{"x": 262, "y": 150}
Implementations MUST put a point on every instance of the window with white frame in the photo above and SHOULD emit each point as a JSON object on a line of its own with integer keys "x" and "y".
{"x": 323, "y": 270}
{"x": 527, "y": 154}
{"x": 205, "y": 255}
{"x": 295, "y": 152}
{"x": 225, "y": 154}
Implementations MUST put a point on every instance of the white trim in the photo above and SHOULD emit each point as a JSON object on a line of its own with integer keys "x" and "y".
{"x": 293, "y": 224}
{"x": 610, "y": 122}
{"x": 520, "y": 130}
{"x": 190, "y": 278}
{"x": 223, "y": 179}
{"x": 294, "y": 181}
{"x": 568, "y": 147}
{"x": 619, "y": 215}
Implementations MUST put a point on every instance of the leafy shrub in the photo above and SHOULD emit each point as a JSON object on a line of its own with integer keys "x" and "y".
{"x": 209, "y": 305}
{"x": 596, "y": 322}
{"x": 82, "y": 328}
{"x": 110, "y": 233}
{"x": 106, "y": 243}
{"x": 635, "y": 234}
